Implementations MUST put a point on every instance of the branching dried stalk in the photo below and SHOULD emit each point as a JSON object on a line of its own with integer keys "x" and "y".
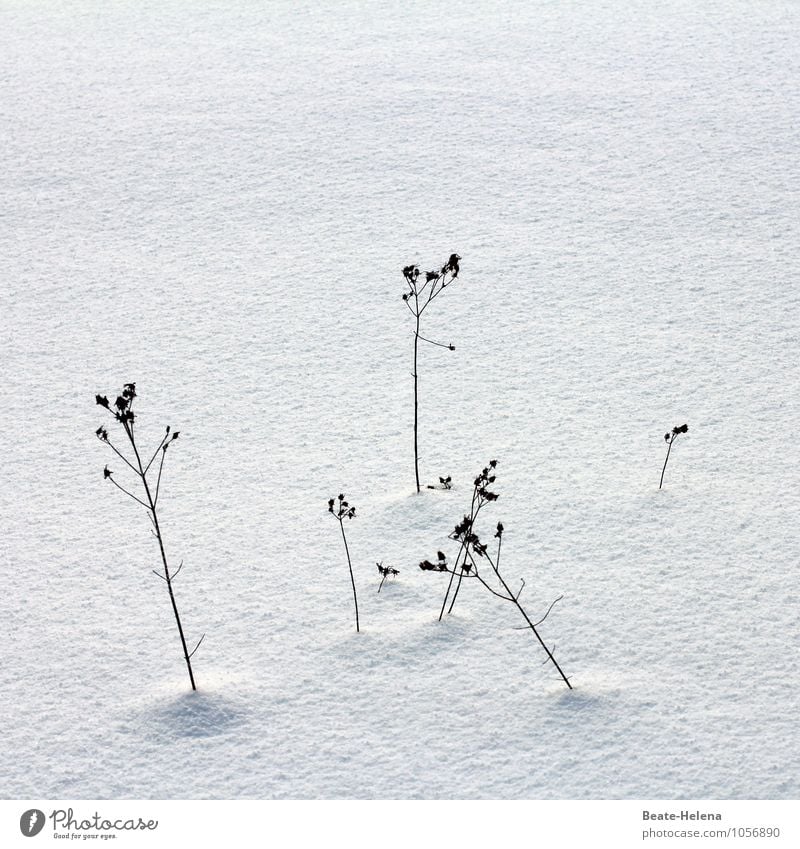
{"x": 122, "y": 412}
{"x": 473, "y": 552}
{"x": 417, "y": 299}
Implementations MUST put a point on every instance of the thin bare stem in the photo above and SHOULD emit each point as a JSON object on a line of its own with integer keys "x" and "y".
{"x": 532, "y": 625}
{"x": 160, "y": 469}
{"x": 666, "y": 460}
{"x": 416, "y": 404}
{"x": 197, "y": 646}
{"x": 474, "y": 510}
{"x": 548, "y": 610}
{"x": 350, "y": 566}
{"x": 455, "y": 565}
{"x": 120, "y": 454}
{"x": 129, "y": 494}
{"x": 152, "y": 507}
{"x": 155, "y": 453}
{"x": 438, "y": 344}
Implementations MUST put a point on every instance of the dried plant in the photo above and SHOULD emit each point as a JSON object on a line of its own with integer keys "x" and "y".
{"x": 444, "y": 483}
{"x": 422, "y": 290}
{"x": 669, "y": 438}
{"x": 341, "y": 511}
{"x": 472, "y": 556}
{"x": 122, "y": 412}
{"x": 385, "y": 572}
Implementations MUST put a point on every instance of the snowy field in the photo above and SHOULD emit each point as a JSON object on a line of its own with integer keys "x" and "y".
{"x": 215, "y": 200}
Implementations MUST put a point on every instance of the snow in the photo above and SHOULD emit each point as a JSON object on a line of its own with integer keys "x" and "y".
{"x": 216, "y": 202}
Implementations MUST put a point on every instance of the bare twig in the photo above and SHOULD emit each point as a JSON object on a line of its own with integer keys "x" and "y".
{"x": 548, "y": 610}
{"x": 129, "y": 494}
{"x": 439, "y": 344}
{"x": 191, "y": 653}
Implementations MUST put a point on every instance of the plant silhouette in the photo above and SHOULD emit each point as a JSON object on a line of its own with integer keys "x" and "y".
{"x": 122, "y": 412}
{"x": 417, "y": 299}
{"x": 341, "y": 511}
{"x": 473, "y": 554}
{"x": 670, "y": 438}
{"x": 385, "y": 572}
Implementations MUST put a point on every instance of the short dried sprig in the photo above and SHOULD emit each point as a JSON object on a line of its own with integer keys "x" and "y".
{"x": 669, "y": 438}
{"x": 341, "y": 509}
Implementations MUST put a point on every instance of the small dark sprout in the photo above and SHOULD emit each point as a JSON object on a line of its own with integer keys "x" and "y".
{"x": 493, "y": 464}
{"x": 666, "y": 437}
{"x": 101, "y": 400}
{"x": 176, "y": 435}
{"x": 107, "y": 472}
{"x": 499, "y": 529}
{"x": 386, "y": 570}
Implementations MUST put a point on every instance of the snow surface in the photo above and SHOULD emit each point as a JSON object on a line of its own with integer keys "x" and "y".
{"x": 215, "y": 201}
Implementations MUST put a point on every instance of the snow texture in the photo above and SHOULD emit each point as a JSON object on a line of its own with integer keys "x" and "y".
{"x": 215, "y": 201}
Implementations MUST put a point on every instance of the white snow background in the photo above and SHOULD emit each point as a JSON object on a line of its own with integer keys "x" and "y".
{"x": 215, "y": 200}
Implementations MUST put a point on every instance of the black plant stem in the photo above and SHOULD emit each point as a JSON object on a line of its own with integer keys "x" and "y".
{"x": 350, "y": 566}
{"x": 416, "y": 444}
{"x": 455, "y": 565}
{"x": 167, "y": 575}
{"x": 472, "y": 516}
{"x": 530, "y": 624}
{"x": 669, "y": 448}
{"x": 455, "y": 593}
